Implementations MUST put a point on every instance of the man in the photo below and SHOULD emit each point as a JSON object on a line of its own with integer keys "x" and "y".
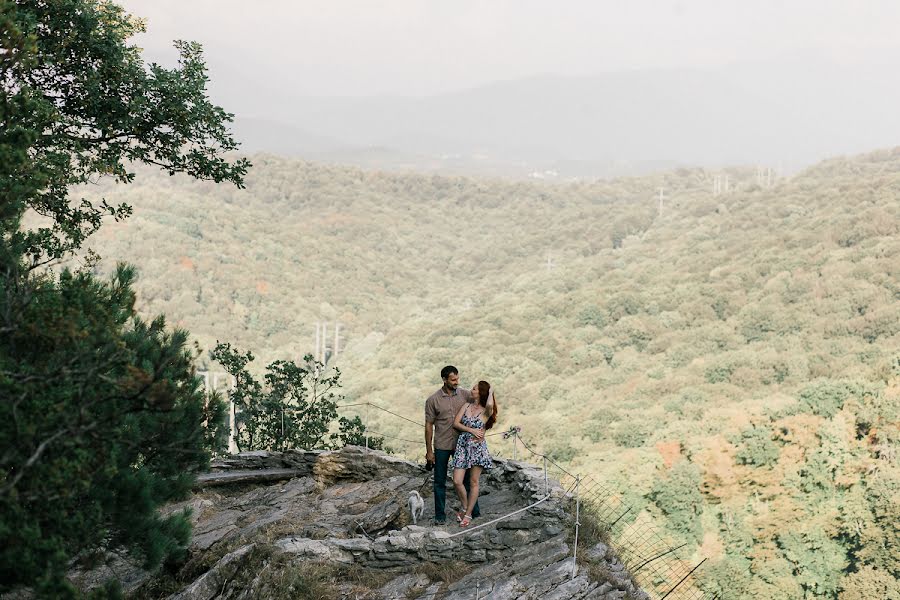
{"x": 440, "y": 436}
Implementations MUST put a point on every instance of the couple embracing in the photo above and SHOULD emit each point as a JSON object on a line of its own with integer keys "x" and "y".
{"x": 455, "y": 424}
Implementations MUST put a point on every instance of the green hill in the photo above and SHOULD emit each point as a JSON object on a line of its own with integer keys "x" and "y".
{"x": 731, "y": 363}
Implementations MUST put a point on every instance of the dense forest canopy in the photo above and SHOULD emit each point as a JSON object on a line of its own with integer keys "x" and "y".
{"x": 729, "y": 361}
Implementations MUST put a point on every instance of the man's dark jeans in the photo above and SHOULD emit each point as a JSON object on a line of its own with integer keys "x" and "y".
{"x": 441, "y": 461}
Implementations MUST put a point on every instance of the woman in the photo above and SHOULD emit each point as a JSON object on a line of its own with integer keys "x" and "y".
{"x": 471, "y": 448}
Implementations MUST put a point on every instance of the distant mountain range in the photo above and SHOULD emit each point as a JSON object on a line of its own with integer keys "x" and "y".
{"x": 785, "y": 115}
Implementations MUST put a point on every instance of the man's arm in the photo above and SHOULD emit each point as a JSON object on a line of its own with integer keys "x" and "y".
{"x": 429, "y": 437}
{"x": 430, "y": 415}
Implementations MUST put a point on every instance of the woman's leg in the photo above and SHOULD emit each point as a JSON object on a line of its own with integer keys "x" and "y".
{"x": 474, "y": 476}
{"x": 458, "y": 475}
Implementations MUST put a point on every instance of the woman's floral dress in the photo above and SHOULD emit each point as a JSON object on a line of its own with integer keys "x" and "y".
{"x": 469, "y": 451}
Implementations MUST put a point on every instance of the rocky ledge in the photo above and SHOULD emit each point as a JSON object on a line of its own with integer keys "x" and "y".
{"x": 336, "y": 525}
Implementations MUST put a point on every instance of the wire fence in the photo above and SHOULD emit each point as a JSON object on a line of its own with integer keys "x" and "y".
{"x": 659, "y": 564}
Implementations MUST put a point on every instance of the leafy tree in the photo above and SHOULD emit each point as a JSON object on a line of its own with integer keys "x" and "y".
{"x": 631, "y": 433}
{"x": 592, "y": 315}
{"x": 353, "y": 432}
{"x": 818, "y": 560}
{"x": 80, "y": 103}
{"x": 101, "y": 419}
{"x": 678, "y": 497}
{"x": 294, "y": 409}
{"x": 868, "y": 583}
{"x": 729, "y": 578}
{"x": 825, "y": 397}
{"x": 756, "y": 447}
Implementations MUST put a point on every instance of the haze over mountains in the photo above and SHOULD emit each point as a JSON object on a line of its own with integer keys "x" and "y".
{"x": 786, "y": 114}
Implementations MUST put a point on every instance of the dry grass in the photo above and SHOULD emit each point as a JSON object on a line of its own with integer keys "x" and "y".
{"x": 445, "y": 572}
{"x": 280, "y": 576}
{"x": 274, "y": 575}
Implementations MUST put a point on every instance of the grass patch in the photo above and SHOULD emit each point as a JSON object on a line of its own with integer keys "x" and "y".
{"x": 279, "y": 576}
{"x": 266, "y": 572}
{"x": 446, "y": 571}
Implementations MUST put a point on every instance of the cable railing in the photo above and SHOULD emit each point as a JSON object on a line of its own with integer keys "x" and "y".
{"x": 654, "y": 560}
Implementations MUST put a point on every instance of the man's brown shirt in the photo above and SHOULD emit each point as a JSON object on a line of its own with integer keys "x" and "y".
{"x": 441, "y": 409}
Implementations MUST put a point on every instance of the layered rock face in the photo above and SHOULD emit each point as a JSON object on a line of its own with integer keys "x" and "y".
{"x": 337, "y": 525}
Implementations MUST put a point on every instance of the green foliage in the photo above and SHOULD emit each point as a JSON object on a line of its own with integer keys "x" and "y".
{"x": 623, "y": 305}
{"x": 825, "y": 397}
{"x": 818, "y": 561}
{"x": 630, "y": 433}
{"x": 729, "y": 579}
{"x": 293, "y": 410}
{"x": 879, "y": 537}
{"x": 719, "y": 373}
{"x": 678, "y": 497}
{"x": 756, "y": 447}
{"x": 296, "y": 407}
{"x": 105, "y": 422}
{"x": 562, "y": 453}
{"x": 353, "y": 432}
{"x": 102, "y": 419}
{"x": 592, "y": 315}
{"x": 79, "y": 102}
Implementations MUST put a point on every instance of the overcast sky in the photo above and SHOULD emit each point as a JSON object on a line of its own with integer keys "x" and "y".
{"x": 421, "y": 47}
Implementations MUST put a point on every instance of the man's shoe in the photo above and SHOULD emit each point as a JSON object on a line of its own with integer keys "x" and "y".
{"x": 439, "y": 522}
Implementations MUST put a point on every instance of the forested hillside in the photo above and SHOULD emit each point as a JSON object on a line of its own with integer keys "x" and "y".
{"x": 730, "y": 362}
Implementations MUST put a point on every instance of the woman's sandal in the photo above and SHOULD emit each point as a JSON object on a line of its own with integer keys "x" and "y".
{"x": 465, "y": 521}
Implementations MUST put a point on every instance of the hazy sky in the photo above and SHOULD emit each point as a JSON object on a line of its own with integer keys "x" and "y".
{"x": 414, "y": 47}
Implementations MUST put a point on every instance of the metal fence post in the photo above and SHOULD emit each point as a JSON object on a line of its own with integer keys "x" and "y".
{"x": 577, "y": 524}
{"x": 367, "y": 427}
{"x": 515, "y": 445}
{"x": 546, "y": 481}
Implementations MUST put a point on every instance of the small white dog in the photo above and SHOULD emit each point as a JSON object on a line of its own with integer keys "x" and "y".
{"x": 416, "y": 505}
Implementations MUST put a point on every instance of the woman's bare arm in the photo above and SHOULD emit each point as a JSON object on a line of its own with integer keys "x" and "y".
{"x": 489, "y": 408}
{"x": 457, "y": 422}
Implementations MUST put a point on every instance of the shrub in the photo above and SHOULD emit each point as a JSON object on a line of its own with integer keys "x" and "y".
{"x": 592, "y": 315}
{"x": 630, "y": 434}
{"x": 678, "y": 497}
{"x": 755, "y": 447}
{"x": 295, "y": 409}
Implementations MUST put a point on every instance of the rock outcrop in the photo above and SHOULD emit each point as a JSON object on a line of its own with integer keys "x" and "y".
{"x": 335, "y": 524}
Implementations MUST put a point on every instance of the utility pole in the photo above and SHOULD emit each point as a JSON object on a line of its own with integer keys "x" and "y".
{"x": 337, "y": 334}
{"x": 765, "y": 176}
{"x": 661, "y": 196}
{"x": 316, "y": 352}
{"x": 550, "y": 264}
{"x": 321, "y": 353}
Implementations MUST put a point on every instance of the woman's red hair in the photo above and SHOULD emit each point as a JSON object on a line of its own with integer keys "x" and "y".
{"x": 483, "y": 389}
